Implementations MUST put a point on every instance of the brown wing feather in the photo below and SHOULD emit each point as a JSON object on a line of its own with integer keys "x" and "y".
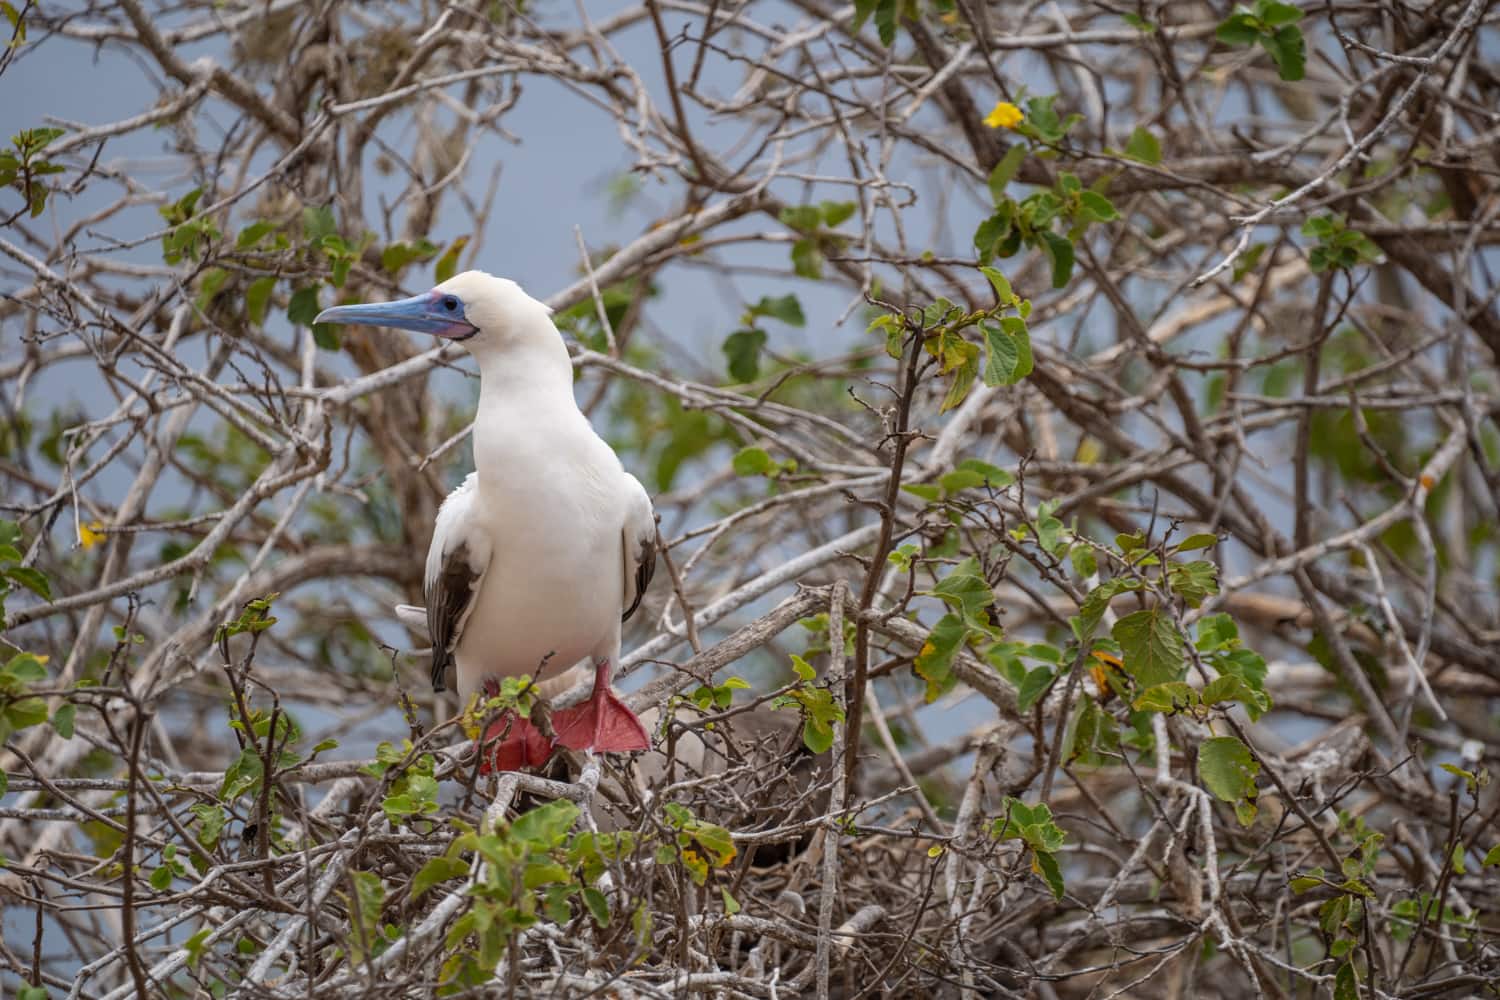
{"x": 644, "y": 569}
{"x": 448, "y": 598}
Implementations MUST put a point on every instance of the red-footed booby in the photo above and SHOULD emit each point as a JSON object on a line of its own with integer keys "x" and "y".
{"x": 546, "y": 548}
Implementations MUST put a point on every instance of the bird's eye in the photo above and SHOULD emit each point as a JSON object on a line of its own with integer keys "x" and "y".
{"x": 450, "y": 303}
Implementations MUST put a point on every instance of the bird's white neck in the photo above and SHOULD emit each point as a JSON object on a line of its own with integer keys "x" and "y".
{"x": 533, "y": 363}
{"x": 526, "y": 385}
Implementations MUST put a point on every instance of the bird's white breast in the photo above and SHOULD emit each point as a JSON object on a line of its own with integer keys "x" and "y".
{"x": 550, "y": 499}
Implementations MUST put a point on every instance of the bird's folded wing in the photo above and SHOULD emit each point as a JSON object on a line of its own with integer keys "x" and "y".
{"x": 640, "y": 545}
{"x": 456, "y": 564}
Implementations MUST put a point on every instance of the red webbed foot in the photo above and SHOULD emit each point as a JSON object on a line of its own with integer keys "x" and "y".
{"x": 511, "y": 743}
{"x": 603, "y": 722}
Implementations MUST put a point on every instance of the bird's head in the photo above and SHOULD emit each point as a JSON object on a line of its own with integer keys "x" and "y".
{"x": 476, "y": 309}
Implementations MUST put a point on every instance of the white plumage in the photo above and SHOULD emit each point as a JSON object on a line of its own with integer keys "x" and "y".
{"x": 548, "y": 544}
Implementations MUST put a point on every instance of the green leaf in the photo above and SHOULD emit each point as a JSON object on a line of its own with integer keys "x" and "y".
{"x": 326, "y": 336}
{"x": 926, "y": 491}
{"x": 211, "y": 820}
{"x": 303, "y": 306}
{"x": 26, "y": 668}
{"x": 731, "y": 905}
{"x": 1034, "y": 685}
{"x": 1217, "y": 631}
{"x": 1004, "y": 356}
{"x": 989, "y": 233}
{"x": 161, "y": 879}
{"x": 1168, "y": 698}
{"x": 597, "y": 905}
{"x": 1152, "y": 647}
{"x": 1288, "y": 50}
{"x": 1346, "y": 983}
{"x": 1016, "y": 327}
{"x": 1143, "y": 146}
{"x": 208, "y": 286}
{"x": 1042, "y": 117}
{"x": 1097, "y": 601}
{"x": 785, "y": 308}
{"x": 1088, "y": 727}
{"x": 742, "y": 350}
{"x": 1005, "y": 170}
{"x": 934, "y": 663}
{"x": 242, "y": 775}
{"x": 1227, "y": 687}
{"x": 1305, "y": 883}
{"x": 447, "y": 264}
{"x": 1492, "y": 857}
{"x": 318, "y": 222}
{"x": 31, "y": 579}
{"x": 1274, "y": 14}
{"x": 753, "y": 462}
{"x": 1085, "y": 564}
{"x": 1333, "y": 913}
{"x": 714, "y": 839}
{"x": 17, "y": 39}
{"x": 62, "y": 720}
{"x": 25, "y": 712}
{"x": 1000, "y": 284}
{"x": 992, "y": 475}
{"x": 340, "y": 270}
{"x": 1321, "y": 226}
{"x": 959, "y": 480}
{"x": 1049, "y": 529}
{"x": 398, "y": 255}
{"x": 1034, "y": 826}
{"x": 862, "y": 11}
{"x": 253, "y": 234}
{"x": 1060, "y": 253}
{"x": 1193, "y": 581}
{"x": 1046, "y": 865}
{"x": 963, "y": 376}
{"x": 885, "y": 21}
{"x": 258, "y": 297}
{"x": 1138, "y": 23}
{"x": 970, "y": 474}
{"x": 835, "y": 212}
{"x": 1239, "y": 28}
{"x": 807, "y": 261}
{"x": 816, "y": 736}
{"x": 803, "y": 218}
{"x": 1097, "y": 207}
{"x": 1192, "y": 543}
{"x": 545, "y": 826}
{"x": 1248, "y": 666}
{"x": 1227, "y": 769}
{"x": 543, "y": 871}
{"x": 966, "y": 591}
{"x": 195, "y": 946}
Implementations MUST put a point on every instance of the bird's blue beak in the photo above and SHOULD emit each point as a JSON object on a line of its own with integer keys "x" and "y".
{"x": 431, "y": 312}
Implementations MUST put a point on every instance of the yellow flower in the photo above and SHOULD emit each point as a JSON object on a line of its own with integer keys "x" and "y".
{"x": 90, "y": 535}
{"x": 1004, "y": 115}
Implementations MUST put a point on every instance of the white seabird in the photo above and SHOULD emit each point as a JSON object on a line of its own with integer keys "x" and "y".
{"x": 546, "y": 548}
